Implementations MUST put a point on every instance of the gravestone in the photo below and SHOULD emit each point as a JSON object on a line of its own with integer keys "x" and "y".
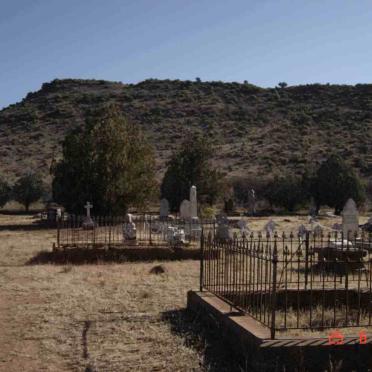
{"x": 312, "y": 209}
{"x": 243, "y": 226}
{"x": 175, "y": 235}
{"x": 223, "y": 231}
{"x": 337, "y": 226}
{"x": 164, "y": 209}
{"x": 350, "y": 218}
{"x": 252, "y": 202}
{"x": 185, "y": 209}
{"x": 302, "y": 231}
{"x": 129, "y": 228}
{"x": 270, "y": 227}
{"x": 317, "y": 229}
{"x": 88, "y": 223}
{"x": 193, "y": 203}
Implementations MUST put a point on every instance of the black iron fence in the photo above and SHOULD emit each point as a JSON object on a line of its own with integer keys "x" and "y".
{"x": 143, "y": 230}
{"x": 292, "y": 282}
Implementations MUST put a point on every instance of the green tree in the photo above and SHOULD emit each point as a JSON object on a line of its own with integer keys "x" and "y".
{"x": 5, "y": 192}
{"x": 286, "y": 191}
{"x": 191, "y": 165}
{"x": 334, "y": 183}
{"x": 28, "y": 189}
{"x": 108, "y": 162}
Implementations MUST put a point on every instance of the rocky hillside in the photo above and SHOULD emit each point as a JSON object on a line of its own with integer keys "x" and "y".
{"x": 257, "y": 131}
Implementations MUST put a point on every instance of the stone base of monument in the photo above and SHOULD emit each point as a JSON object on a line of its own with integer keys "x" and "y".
{"x": 88, "y": 224}
{"x": 250, "y": 341}
{"x": 130, "y": 242}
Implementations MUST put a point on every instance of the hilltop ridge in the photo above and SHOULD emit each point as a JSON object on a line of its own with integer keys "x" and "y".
{"x": 257, "y": 131}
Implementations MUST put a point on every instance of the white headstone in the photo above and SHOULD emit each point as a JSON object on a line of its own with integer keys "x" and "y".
{"x": 252, "y": 201}
{"x": 317, "y": 229}
{"x": 129, "y": 228}
{"x": 193, "y": 203}
{"x": 164, "y": 208}
{"x": 223, "y": 232}
{"x": 185, "y": 210}
{"x": 243, "y": 226}
{"x": 350, "y": 218}
{"x": 270, "y": 227}
{"x": 302, "y": 230}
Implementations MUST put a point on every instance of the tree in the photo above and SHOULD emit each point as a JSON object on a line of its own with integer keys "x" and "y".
{"x": 334, "y": 183}
{"x": 286, "y": 191}
{"x": 5, "y": 192}
{"x": 229, "y": 205}
{"x": 108, "y": 162}
{"x": 190, "y": 165}
{"x": 282, "y": 84}
{"x": 28, "y": 189}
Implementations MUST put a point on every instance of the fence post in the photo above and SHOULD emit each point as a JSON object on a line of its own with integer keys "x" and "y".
{"x": 307, "y": 243}
{"x": 273, "y": 295}
{"x": 201, "y": 260}
{"x": 58, "y": 232}
{"x": 150, "y": 237}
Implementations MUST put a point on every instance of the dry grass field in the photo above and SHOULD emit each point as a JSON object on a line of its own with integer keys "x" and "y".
{"x": 105, "y": 317}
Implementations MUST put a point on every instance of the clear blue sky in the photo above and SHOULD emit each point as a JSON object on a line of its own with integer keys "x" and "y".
{"x": 264, "y": 42}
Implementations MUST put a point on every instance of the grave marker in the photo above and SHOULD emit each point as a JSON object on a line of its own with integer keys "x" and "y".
{"x": 350, "y": 218}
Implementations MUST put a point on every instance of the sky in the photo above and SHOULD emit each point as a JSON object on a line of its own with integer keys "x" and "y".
{"x": 261, "y": 41}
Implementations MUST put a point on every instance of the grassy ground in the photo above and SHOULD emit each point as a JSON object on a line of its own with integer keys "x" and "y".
{"x": 105, "y": 317}
{"x": 96, "y": 317}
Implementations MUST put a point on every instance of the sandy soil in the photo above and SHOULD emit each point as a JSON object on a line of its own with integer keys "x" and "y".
{"x": 95, "y": 317}
{"x": 107, "y": 317}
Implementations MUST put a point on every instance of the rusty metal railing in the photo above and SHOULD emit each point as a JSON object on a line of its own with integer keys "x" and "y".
{"x": 150, "y": 231}
{"x": 288, "y": 282}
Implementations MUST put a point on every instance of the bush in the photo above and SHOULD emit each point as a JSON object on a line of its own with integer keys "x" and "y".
{"x": 334, "y": 183}
{"x": 5, "y": 192}
{"x": 28, "y": 189}
{"x": 287, "y": 191}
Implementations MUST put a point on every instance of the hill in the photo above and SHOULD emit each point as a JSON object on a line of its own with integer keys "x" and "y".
{"x": 257, "y": 131}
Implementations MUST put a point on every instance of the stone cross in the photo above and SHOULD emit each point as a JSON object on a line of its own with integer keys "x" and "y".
{"x": 193, "y": 203}
{"x": 88, "y": 207}
{"x": 350, "y": 218}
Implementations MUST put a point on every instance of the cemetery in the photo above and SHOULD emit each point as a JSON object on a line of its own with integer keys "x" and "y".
{"x": 289, "y": 291}
{"x": 136, "y": 230}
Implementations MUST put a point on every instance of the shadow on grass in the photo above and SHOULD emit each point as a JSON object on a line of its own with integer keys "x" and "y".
{"x": 81, "y": 256}
{"x": 26, "y": 227}
{"x": 204, "y": 337}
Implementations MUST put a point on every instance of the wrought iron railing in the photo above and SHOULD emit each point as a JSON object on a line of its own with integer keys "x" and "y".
{"x": 150, "y": 230}
{"x": 288, "y": 282}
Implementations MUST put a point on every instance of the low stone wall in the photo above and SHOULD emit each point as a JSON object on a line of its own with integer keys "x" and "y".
{"x": 250, "y": 341}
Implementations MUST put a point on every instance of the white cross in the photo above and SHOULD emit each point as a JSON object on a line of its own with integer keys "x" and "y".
{"x": 88, "y": 207}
